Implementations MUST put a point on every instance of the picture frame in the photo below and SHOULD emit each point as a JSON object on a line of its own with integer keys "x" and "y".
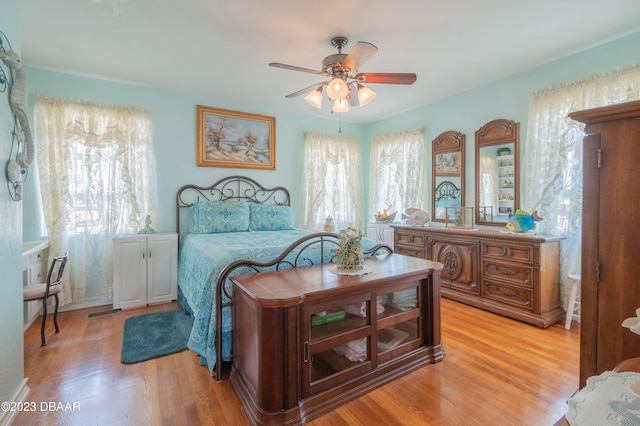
{"x": 227, "y": 138}
{"x": 447, "y": 164}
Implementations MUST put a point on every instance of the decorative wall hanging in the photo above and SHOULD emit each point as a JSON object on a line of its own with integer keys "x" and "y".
{"x": 22, "y": 144}
{"x": 235, "y": 139}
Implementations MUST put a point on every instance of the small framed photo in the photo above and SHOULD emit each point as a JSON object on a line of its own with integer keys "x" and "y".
{"x": 447, "y": 164}
{"x": 229, "y": 138}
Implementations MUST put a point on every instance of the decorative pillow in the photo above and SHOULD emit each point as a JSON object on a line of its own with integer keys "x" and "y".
{"x": 265, "y": 217}
{"x": 211, "y": 217}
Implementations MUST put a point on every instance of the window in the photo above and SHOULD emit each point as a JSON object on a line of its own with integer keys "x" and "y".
{"x": 553, "y": 172}
{"x": 332, "y": 182}
{"x": 396, "y": 174}
{"x": 96, "y": 169}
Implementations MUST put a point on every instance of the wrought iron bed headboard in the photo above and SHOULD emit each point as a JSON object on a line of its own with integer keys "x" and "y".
{"x": 446, "y": 190}
{"x": 232, "y": 187}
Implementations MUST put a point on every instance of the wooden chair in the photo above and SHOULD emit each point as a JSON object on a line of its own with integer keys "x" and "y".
{"x": 43, "y": 291}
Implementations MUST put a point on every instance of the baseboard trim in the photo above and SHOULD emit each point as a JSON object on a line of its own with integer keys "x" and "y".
{"x": 6, "y": 417}
{"x": 91, "y": 303}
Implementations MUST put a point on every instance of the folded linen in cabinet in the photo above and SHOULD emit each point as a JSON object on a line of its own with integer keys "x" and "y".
{"x": 360, "y": 309}
{"x": 355, "y": 351}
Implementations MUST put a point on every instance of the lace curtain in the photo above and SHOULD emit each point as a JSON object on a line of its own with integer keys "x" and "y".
{"x": 552, "y": 180}
{"x": 332, "y": 181}
{"x": 96, "y": 170}
{"x": 396, "y": 173}
{"x": 488, "y": 194}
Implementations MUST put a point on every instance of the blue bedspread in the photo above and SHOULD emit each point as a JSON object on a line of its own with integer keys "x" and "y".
{"x": 202, "y": 258}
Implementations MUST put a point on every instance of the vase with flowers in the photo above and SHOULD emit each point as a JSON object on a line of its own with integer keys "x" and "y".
{"x": 349, "y": 253}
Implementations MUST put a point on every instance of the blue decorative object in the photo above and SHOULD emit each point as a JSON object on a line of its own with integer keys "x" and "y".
{"x": 522, "y": 221}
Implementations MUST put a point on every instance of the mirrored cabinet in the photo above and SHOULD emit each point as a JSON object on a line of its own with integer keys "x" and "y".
{"x": 448, "y": 173}
{"x": 497, "y": 184}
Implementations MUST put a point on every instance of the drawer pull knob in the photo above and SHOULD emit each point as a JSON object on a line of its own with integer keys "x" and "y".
{"x": 507, "y": 272}
{"x": 515, "y": 293}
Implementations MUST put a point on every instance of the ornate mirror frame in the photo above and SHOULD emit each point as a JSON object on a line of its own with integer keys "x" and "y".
{"x": 497, "y": 153}
{"x": 447, "y": 173}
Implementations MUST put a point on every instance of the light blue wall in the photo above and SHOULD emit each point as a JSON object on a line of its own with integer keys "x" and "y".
{"x": 507, "y": 98}
{"x": 11, "y": 337}
{"x": 174, "y": 123}
{"x": 174, "y": 137}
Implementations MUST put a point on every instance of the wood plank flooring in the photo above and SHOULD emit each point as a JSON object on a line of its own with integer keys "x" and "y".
{"x": 495, "y": 371}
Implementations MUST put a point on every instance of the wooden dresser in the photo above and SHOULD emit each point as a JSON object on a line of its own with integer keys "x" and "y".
{"x": 307, "y": 340}
{"x": 514, "y": 275}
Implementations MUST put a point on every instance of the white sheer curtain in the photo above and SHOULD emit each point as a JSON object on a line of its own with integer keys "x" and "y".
{"x": 332, "y": 181}
{"x": 488, "y": 176}
{"x": 552, "y": 181}
{"x": 96, "y": 169}
{"x": 396, "y": 172}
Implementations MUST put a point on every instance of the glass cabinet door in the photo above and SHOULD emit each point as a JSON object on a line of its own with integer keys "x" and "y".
{"x": 346, "y": 338}
{"x": 339, "y": 343}
{"x": 398, "y": 323}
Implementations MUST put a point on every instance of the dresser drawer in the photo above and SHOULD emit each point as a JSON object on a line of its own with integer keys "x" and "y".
{"x": 410, "y": 251}
{"x": 514, "y": 273}
{"x": 519, "y": 297}
{"x": 410, "y": 239}
{"x": 500, "y": 250}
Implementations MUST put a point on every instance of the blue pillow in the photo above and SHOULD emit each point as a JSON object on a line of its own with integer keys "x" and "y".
{"x": 211, "y": 217}
{"x": 264, "y": 217}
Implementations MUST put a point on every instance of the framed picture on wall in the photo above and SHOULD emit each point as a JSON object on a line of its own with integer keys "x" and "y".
{"x": 229, "y": 138}
{"x": 447, "y": 164}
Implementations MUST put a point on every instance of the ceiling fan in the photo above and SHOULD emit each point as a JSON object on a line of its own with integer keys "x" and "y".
{"x": 345, "y": 84}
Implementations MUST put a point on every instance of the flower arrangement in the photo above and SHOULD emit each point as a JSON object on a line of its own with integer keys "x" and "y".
{"x": 349, "y": 252}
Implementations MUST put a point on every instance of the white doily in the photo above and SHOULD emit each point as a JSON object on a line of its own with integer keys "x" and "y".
{"x": 606, "y": 400}
{"x": 363, "y": 271}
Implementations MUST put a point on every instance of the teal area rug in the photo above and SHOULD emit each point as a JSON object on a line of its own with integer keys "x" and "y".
{"x": 154, "y": 335}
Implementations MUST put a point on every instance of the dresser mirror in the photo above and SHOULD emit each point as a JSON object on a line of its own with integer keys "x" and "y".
{"x": 448, "y": 173}
{"x": 497, "y": 182}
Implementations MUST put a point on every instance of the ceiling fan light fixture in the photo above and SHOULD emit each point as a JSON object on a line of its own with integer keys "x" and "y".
{"x": 337, "y": 89}
{"x": 340, "y": 105}
{"x": 314, "y": 98}
{"x": 365, "y": 95}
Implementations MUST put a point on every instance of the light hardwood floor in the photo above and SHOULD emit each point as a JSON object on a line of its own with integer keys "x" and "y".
{"x": 496, "y": 371}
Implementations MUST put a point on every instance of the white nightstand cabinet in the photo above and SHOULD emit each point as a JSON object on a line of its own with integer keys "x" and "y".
{"x": 381, "y": 233}
{"x": 145, "y": 269}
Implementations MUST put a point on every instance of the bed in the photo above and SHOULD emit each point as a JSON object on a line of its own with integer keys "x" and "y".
{"x": 232, "y": 227}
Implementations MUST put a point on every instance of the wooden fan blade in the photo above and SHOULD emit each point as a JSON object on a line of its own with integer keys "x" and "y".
{"x": 305, "y": 90}
{"x": 360, "y": 53}
{"x": 294, "y": 68}
{"x": 386, "y": 78}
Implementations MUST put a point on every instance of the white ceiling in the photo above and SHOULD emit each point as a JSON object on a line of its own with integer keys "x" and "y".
{"x": 220, "y": 49}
